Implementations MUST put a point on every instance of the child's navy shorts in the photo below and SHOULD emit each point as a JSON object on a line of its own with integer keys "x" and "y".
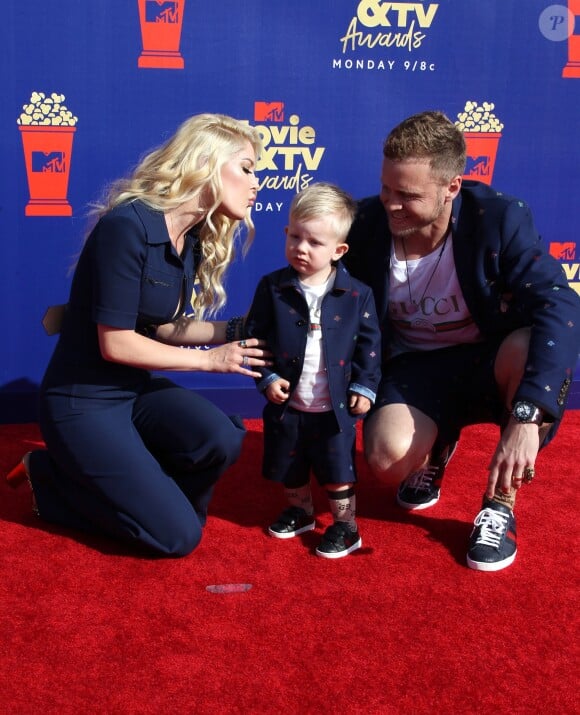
{"x": 305, "y": 441}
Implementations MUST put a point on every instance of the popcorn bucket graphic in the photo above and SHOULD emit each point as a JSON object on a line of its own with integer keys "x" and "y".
{"x": 161, "y": 22}
{"x": 481, "y": 153}
{"x": 47, "y": 153}
{"x": 572, "y": 67}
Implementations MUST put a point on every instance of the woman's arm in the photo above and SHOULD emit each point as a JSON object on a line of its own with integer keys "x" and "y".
{"x": 186, "y": 331}
{"x": 130, "y": 348}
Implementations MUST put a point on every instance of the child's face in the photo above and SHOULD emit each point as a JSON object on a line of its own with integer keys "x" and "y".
{"x": 311, "y": 246}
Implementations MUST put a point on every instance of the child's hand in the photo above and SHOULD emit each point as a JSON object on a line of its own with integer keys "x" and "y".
{"x": 277, "y": 392}
{"x": 358, "y": 404}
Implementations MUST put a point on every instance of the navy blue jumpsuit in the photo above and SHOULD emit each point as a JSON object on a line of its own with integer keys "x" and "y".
{"x": 129, "y": 454}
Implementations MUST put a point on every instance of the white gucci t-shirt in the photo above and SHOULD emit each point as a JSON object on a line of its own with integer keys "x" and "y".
{"x": 427, "y": 309}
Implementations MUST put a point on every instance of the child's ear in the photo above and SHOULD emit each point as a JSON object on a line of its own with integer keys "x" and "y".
{"x": 340, "y": 250}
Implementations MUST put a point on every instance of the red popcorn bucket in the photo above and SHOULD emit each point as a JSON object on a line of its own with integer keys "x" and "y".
{"x": 481, "y": 153}
{"x": 47, "y": 154}
{"x": 161, "y": 22}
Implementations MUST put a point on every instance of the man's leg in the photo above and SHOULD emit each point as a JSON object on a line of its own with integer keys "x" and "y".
{"x": 492, "y": 544}
{"x": 398, "y": 439}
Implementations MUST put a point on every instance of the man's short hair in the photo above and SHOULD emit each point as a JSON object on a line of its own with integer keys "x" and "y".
{"x": 428, "y": 135}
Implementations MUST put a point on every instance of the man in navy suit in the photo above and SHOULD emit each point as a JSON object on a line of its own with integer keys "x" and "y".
{"x": 479, "y": 325}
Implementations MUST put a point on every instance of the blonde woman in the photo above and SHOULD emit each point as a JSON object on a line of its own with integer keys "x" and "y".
{"x": 131, "y": 455}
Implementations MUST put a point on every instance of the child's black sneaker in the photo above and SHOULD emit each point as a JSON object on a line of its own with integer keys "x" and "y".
{"x": 338, "y": 541}
{"x": 422, "y": 488}
{"x": 492, "y": 544}
{"x": 291, "y": 522}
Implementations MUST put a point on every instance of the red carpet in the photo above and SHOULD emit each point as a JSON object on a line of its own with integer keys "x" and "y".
{"x": 401, "y": 626}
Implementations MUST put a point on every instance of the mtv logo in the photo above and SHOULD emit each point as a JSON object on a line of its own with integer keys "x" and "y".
{"x": 477, "y": 166}
{"x": 53, "y": 162}
{"x": 563, "y": 251}
{"x": 269, "y": 111}
{"x": 165, "y": 11}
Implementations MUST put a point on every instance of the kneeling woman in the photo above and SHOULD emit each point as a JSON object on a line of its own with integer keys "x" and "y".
{"x": 131, "y": 455}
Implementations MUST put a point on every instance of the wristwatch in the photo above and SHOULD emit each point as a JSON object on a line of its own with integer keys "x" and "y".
{"x": 527, "y": 413}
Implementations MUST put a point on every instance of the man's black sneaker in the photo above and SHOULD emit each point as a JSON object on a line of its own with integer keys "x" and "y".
{"x": 422, "y": 488}
{"x": 492, "y": 544}
{"x": 291, "y": 522}
{"x": 338, "y": 541}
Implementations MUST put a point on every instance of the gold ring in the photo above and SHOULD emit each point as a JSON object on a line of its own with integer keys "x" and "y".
{"x": 243, "y": 344}
{"x": 529, "y": 473}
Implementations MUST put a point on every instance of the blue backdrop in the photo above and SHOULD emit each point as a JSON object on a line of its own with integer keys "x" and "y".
{"x": 89, "y": 86}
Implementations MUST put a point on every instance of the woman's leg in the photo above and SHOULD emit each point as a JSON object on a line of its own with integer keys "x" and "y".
{"x": 193, "y": 440}
{"x": 103, "y": 476}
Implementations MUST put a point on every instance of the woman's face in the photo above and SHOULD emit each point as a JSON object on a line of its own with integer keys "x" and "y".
{"x": 240, "y": 184}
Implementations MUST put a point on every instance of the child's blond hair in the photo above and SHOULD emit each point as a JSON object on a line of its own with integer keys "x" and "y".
{"x": 325, "y": 200}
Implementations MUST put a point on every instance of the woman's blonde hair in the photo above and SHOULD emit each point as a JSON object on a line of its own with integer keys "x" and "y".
{"x": 187, "y": 166}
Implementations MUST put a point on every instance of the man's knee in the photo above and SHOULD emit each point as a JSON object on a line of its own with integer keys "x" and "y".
{"x": 387, "y": 459}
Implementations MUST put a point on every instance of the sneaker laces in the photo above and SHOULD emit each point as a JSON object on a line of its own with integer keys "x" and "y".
{"x": 493, "y": 526}
{"x": 421, "y": 480}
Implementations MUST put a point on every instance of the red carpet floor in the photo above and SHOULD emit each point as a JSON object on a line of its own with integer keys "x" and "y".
{"x": 401, "y": 626}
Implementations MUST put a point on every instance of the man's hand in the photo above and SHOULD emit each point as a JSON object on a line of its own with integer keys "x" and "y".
{"x": 515, "y": 454}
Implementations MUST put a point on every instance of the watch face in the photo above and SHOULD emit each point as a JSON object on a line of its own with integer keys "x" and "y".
{"x": 527, "y": 412}
{"x": 523, "y": 411}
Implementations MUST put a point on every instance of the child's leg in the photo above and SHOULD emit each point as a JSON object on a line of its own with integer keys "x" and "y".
{"x": 342, "y": 500}
{"x": 301, "y": 497}
{"x": 285, "y": 462}
{"x": 342, "y": 537}
{"x": 335, "y": 469}
{"x": 298, "y": 517}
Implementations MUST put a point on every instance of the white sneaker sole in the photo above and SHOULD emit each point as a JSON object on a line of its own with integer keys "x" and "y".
{"x": 484, "y": 566}
{"x": 416, "y": 507}
{"x": 292, "y": 534}
{"x": 340, "y": 554}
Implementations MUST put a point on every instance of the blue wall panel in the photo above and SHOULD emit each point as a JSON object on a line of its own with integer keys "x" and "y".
{"x": 325, "y": 80}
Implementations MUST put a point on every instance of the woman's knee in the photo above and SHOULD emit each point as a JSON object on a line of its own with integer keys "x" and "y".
{"x": 227, "y": 441}
{"x": 177, "y": 540}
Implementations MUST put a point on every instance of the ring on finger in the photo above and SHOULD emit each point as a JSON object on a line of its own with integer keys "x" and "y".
{"x": 245, "y": 361}
{"x": 529, "y": 473}
{"x": 243, "y": 344}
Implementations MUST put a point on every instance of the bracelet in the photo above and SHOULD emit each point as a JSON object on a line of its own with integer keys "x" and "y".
{"x": 234, "y": 328}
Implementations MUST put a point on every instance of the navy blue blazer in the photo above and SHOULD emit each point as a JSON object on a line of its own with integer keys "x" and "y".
{"x": 507, "y": 278}
{"x": 350, "y": 336}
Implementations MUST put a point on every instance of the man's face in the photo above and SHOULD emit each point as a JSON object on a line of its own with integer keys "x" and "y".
{"x": 416, "y": 201}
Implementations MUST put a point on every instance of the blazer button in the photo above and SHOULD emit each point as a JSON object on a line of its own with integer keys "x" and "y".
{"x": 301, "y": 323}
{"x": 294, "y": 361}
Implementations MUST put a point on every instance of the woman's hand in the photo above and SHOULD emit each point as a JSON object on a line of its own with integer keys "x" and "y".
{"x": 239, "y": 357}
{"x": 130, "y": 348}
